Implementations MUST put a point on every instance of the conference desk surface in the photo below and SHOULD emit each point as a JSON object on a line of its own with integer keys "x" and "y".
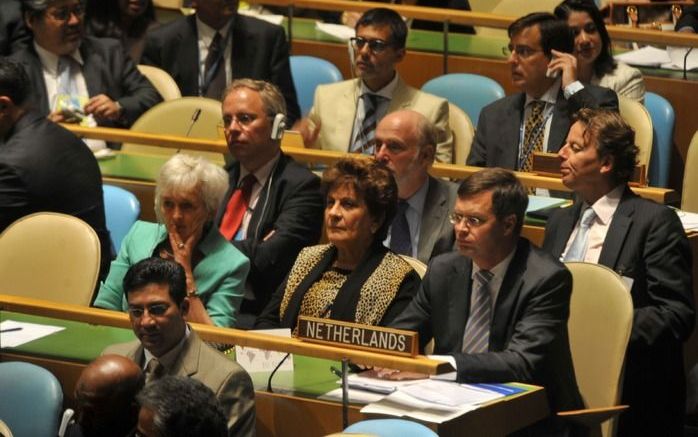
{"x": 292, "y": 410}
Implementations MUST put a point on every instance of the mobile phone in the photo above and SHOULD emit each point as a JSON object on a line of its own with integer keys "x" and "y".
{"x": 552, "y": 74}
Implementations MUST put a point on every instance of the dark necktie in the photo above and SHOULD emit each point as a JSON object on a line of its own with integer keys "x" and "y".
{"x": 533, "y": 137}
{"x": 476, "y": 338}
{"x": 400, "y": 240}
{"x": 237, "y": 205}
{"x": 578, "y": 248}
{"x": 214, "y": 69}
{"x": 367, "y": 131}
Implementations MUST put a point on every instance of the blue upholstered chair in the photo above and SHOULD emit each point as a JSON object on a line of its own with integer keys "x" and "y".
{"x": 470, "y": 92}
{"x": 31, "y": 401}
{"x": 122, "y": 209}
{"x": 391, "y": 428}
{"x": 308, "y": 72}
{"x": 663, "y": 120}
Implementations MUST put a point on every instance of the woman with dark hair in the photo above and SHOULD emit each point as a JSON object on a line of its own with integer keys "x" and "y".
{"x": 353, "y": 278}
{"x": 592, "y": 48}
{"x": 125, "y": 20}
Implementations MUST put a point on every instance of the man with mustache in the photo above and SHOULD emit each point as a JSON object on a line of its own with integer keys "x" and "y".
{"x": 511, "y": 129}
{"x": 157, "y": 304}
{"x": 344, "y": 115}
{"x": 205, "y": 51}
{"x": 645, "y": 243}
{"x": 75, "y": 76}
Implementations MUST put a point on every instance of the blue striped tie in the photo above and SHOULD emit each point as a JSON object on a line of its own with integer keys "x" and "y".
{"x": 476, "y": 338}
{"x": 367, "y": 131}
{"x": 578, "y": 248}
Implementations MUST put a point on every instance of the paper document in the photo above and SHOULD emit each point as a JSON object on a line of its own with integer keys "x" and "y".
{"x": 540, "y": 202}
{"x": 260, "y": 360}
{"x": 270, "y": 18}
{"x": 339, "y": 31}
{"x": 689, "y": 220}
{"x": 677, "y": 56}
{"x": 401, "y": 404}
{"x": 450, "y": 394}
{"x": 384, "y": 386}
{"x": 355, "y": 396}
{"x": 13, "y": 333}
{"x": 645, "y": 57}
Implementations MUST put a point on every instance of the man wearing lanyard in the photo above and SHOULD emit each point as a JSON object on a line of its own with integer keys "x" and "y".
{"x": 511, "y": 129}
{"x": 205, "y": 51}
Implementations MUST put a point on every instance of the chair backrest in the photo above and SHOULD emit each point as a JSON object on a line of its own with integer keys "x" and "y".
{"x": 416, "y": 264}
{"x": 31, "y": 399}
{"x": 601, "y": 317}
{"x": 689, "y": 196}
{"x": 663, "y": 121}
{"x": 463, "y": 133}
{"x": 390, "y": 428}
{"x": 470, "y": 92}
{"x": 121, "y": 208}
{"x": 49, "y": 256}
{"x": 635, "y": 114}
{"x": 308, "y": 72}
{"x": 178, "y": 117}
{"x": 162, "y": 81}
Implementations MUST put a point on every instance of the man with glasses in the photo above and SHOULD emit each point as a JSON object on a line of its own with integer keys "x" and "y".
{"x": 344, "y": 115}
{"x": 273, "y": 207}
{"x": 497, "y": 308}
{"x": 406, "y": 141}
{"x": 205, "y": 51}
{"x": 77, "y": 78}
{"x": 157, "y": 305}
{"x": 537, "y": 119}
{"x": 645, "y": 243}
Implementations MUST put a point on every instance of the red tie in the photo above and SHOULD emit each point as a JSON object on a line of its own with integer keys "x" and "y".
{"x": 237, "y": 205}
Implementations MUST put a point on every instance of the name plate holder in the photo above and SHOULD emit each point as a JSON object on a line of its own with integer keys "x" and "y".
{"x": 356, "y": 336}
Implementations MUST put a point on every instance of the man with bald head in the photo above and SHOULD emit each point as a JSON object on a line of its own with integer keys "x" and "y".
{"x": 106, "y": 398}
{"x": 406, "y": 142}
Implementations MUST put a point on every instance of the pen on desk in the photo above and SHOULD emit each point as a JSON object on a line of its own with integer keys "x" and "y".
{"x": 2, "y": 331}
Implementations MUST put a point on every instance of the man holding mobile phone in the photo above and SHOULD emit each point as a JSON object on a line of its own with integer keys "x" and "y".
{"x": 511, "y": 129}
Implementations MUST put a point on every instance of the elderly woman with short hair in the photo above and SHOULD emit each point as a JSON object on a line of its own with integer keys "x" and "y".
{"x": 354, "y": 278}
{"x": 188, "y": 192}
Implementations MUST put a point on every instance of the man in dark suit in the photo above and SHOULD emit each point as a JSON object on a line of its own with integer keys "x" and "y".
{"x": 498, "y": 308}
{"x": 406, "y": 143}
{"x": 157, "y": 305}
{"x": 645, "y": 243}
{"x": 248, "y": 47}
{"x": 538, "y": 118}
{"x": 44, "y": 167}
{"x": 73, "y": 76}
{"x": 273, "y": 207}
{"x": 13, "y": 33}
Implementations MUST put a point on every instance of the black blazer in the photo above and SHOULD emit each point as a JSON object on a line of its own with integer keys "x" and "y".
{"x": 260, "y": 51}
{"x": 44, "y": 167}
{"x": 344, "y": 305}
{"x": 291, "y": 205}
{"x": 14, "y": 35}
{"x": 496, "y": 142}
{"x": 647, "y": 243}
{"x": 528, "y": 335}
{"x": 107, "y": 70}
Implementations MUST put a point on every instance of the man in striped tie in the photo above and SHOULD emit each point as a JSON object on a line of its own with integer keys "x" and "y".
{"x": 497, "y": 308}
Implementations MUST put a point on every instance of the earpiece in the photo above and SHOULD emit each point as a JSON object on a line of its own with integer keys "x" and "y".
{"x": 278, "y": 126}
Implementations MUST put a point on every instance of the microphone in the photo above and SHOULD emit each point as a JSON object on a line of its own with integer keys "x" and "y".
{"x": 324, "y": 313}
{"x": 194, "y": 119}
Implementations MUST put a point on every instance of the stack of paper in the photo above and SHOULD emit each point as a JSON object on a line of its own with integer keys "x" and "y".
{"x": 689, "y": 220}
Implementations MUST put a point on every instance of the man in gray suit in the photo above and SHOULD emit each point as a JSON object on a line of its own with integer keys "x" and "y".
{"x": 156, "y": 292}
{"x": 645, "y": 243}
{"x": 406, "y": 142}
{"x": 497, "y": 309}
{"x": 538, "y": 118}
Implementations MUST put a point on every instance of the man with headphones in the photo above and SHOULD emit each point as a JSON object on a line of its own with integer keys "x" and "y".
{"x": 273, "y": 207}
{"x": 344, "y": 114}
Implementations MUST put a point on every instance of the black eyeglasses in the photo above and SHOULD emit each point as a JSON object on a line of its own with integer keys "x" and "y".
{"x": 375, "y": 45}
{"x": 64, "y": 13}
{"x": 155, "y": 310}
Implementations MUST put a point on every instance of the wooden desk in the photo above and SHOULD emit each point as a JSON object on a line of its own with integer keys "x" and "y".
{"x": 294, "y": 410}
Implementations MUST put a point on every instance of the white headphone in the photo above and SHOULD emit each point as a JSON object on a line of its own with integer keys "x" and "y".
{"x": 278, "y": 126}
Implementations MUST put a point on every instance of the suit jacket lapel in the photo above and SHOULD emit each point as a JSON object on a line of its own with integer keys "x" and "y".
{"x": 564, "y": 229}
{"x": 243, "y": 48}
{"x": 189, "y": 53}
{"x": 91, "y": 68}
{"x": 459, "y": 300}
{"x": 508, "y": 297}
{"x": 187, "y": 364}
{"x": 615, "y": 237}
{"x": 402, "y": 97}
{"x": 266, "y": 199}
{"x": 346, "y": 107}
{"x": 435, "y": 209}
{"x": 510, "y": 125}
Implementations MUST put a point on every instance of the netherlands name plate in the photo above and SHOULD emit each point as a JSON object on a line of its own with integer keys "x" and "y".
{"x": 371, "y": 338}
